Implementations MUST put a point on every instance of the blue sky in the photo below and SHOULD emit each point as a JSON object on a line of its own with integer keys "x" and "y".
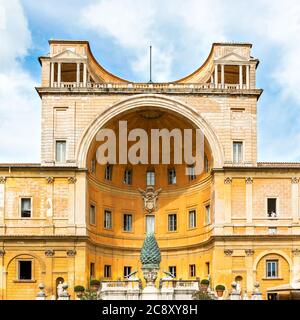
{"x": 181, "y": 33}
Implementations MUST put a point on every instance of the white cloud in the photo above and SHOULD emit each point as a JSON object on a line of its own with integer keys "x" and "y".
{"x": 19, "y": 104}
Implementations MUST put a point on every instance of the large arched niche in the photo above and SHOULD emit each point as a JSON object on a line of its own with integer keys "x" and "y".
{"x": 152, "y": 101}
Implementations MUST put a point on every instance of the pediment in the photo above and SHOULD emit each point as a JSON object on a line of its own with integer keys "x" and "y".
{"x": 68, "y": 54}
{"x": 232, "y": 56}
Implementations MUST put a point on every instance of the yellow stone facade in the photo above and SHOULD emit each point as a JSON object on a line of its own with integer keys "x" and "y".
{"x": 79, "y": 97}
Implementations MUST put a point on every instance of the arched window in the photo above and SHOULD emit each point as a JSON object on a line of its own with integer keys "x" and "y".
{"x": 150, "y": 178}
{"x": 108, "y": 172}
{"x": 171, "y": 176}
{"x": 128, "y": 176}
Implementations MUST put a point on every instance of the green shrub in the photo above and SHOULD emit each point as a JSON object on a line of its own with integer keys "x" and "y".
{"x": 201, "y": 295}
{"x": 95, "y": 282}
{"x": 220, "y": 287}
{"x": 205, "y": 282}
{"x": 79, "y": 289}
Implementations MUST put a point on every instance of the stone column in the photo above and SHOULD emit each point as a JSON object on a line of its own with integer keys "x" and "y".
{"x": 2, "y": 202}
{"x": 294, "y": 198}
{"x": 49, "y": 208}
{"x": 72, "y": 184}
{"x": 295, "y": 276}
{"x": 78, "y": 75}
{"x": 2, "y": 275}
{"x": 227, "y": 199}
{"x": 216, "y": 76}
{"x": 249, "y": 183}
{"x": 58, "y": 74}
{"x": 84, "y": 75}
{"x": 49, "y": 254}
{"x": 248, "y": 77}
{"x": 71, "y": 267}
{"x": 52, "y": 74}
{"x": 249, "y": 267}
{"x": 222, "y": 75}
{"x": 241, "y": 76}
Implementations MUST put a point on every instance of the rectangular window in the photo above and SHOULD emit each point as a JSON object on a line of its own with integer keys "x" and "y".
{"x": 150, "y": 224}
{"x": 172, "y": 270}
{"x": 207, "y": 214}
{"x": 107, "y": 271}
{"x": 92, "y": 214}
{"x": 272, "y": 268}
{"x": 171, "y": 176}
{"x": 191, "y": 173}
{"x": 272, "y": 230}
{"x": 150, "y": 178}
{"x": 127, "y": 222}
{"x": 237, "y": 152}
{"x": 25, "y": 270}
{"x": 192, "y": 219}
{"x": 272, "y": 207}
{"x": 92, "y": 270}
{"x": 206, "y": 164}
{"x": 26, "y": 208}
{"x": 107, "y": 219}
{"x": 128, "y": 176}
{"x": 60, "y": 153}
{"x": 192, "y": 270}
{"x": 207, "y": 268}
{"x": 93, "y": 165}
{"x": 172, "y": 222}
{"x": 127, "y": 271}
{"x": 108, "y": 172}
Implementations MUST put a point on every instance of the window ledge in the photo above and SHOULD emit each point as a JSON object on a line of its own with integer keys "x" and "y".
{"x": 24, "y": 281}
{"x": 275, "y": 278}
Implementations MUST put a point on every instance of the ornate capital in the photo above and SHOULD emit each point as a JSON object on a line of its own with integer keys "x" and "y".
{"x": 296, "y": 252}
{"x": 228, "y": 252}
{"x": 72, "y": 180}
{"x": 71, "y": 253}
{"x": 2, "y": 179}
{"x": 249, "y": 180}
{"x": 49, "y": 180}
{"x": 49, "y": 253}
{"x": 249, "y": 252}
{"x": 2, "y": 252}
{"x": 295, "y": 180}
{"x": 228, "y": 180}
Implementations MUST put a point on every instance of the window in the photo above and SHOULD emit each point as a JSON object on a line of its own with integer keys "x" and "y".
{"x": 127, "y": 271}
{"x": 107, "y": 271}
{"x": 192, "y": 270}
{"x": 60, "y": 153}
{"x": 192, "y": 219}
{"x": 172, "y": 222}
{"x": 25, "y": 270}
{"x": 108, "y": 172}
{"x": 191, "y": 173}
{"x": 93, "y": 165}
{"x": 107, "y": 219}
{"x": 92, "y": 214}
{"x": 128, "y": 176}
{"x": 272, "y": 207}
{"x": 172, "y": 269}
{"x": 150, "y": 178}
{"x": 207, "y": 268}
{"x": 272, "y": 268}
{"x": 237, "y": 151}
{"x": 92, "y": 270}
{"x": 127, "y": 222}
{"x": 171, "y": 176}
{"x": 26, "y": 207}
{"x": 206, "y": 164}
{"x": 207, "y": 214}
{"x": 272, "y": 230}
{"x": 150, "y": 224}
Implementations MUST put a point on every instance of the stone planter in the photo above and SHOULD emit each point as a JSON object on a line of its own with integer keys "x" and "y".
{"x": 220, "y": 293}
{"x": 79, "y": 294}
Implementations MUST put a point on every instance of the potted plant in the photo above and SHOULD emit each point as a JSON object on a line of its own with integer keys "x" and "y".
{"x": 204, "y": 284}
{"x": 94, "y": 285}
{"x": 220, "y": 290}
{"x": 79, "y": 290}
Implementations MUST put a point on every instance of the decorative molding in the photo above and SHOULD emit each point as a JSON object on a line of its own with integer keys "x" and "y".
{"x": 49, "y": 253}
{"x": 72, "y": 180}
{"x": 150, "y": 197}
{"x": 295, "y": 180}
{"x": 249, "y": 252}
{"x": 49, "y": 180}
{"x": 249, "y": 180}
{"x": 296, "y": 252}
{"x": 228, "y": 180}
{"x": 228, "y": 252}
{"x": 2, "y": 252}
{"x": 2, "y": 179}
{"x": 71, "y": 253}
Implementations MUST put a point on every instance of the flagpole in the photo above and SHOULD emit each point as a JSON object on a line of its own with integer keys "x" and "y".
{"x": 150, "y": 65}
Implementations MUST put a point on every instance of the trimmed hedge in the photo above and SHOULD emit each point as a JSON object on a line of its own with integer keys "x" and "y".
{"x": 95, "y": 282}
{"x": 204, "y": 281}
{"x": 220, "y": 287}
{"x": 79, "y": 289}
